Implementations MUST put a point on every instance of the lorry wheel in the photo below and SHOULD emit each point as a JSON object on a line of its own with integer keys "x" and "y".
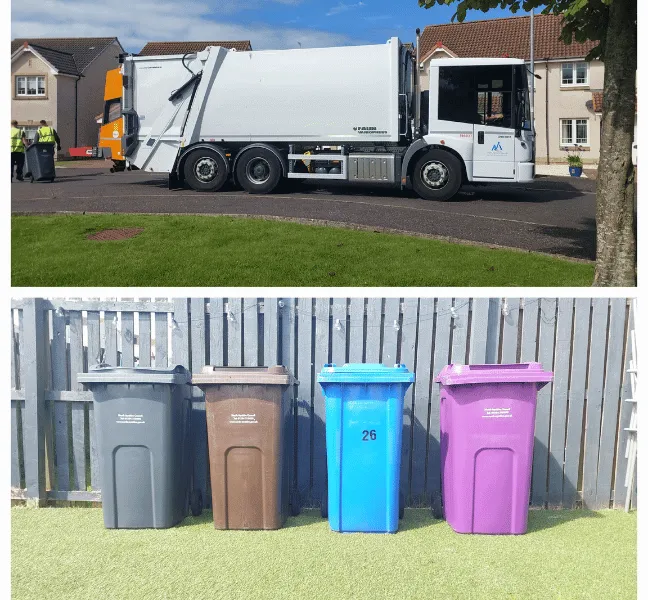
{"x": 437, "y": 175}
{"x": 205, "y": 170}
{"x": 258, "y": 171}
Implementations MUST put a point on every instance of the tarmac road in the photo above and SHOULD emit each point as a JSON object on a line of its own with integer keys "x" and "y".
{"x": 555, "y": 215}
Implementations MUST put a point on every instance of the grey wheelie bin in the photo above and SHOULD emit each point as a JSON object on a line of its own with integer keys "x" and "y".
{"x": 142, "y": 421}
{"x": 39, "y": 162}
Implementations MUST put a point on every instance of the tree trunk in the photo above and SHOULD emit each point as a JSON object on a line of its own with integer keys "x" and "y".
{"x": 616, "y": 234}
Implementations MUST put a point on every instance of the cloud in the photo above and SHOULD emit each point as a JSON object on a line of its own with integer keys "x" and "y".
{"x": 341, "y": 7}
{"x": 147, "y": 20}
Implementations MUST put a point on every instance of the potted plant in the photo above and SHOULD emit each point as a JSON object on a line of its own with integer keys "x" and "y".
{"x": 575, "y": 163}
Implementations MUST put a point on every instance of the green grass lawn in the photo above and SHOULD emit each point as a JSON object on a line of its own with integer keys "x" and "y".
{"x": 66, "y": 553}
{"x": 226, "y": 251}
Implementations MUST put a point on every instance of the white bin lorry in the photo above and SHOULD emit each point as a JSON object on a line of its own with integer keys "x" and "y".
{"x": 352, "y": 113}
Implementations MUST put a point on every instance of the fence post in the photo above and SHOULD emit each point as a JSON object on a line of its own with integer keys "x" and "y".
{"x": 34, "y": 415}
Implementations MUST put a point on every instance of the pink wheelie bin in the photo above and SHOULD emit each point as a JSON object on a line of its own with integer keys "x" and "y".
{"x": 487, "y": 417}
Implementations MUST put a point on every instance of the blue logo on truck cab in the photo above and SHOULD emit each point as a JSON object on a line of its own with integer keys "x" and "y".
{"x": 497, "y": 148}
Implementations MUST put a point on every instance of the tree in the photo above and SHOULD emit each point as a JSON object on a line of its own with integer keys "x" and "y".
{"x": 613, "y": 24}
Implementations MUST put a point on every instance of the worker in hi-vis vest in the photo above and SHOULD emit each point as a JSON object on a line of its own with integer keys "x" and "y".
{"x": 18, "y": 145}
{"x": 47, "y": 135}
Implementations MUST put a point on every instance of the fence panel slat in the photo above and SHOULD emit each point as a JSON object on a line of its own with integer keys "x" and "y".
{"x": 94, "y": 357}
{"x": 390, "y": 332}
{"x": 270, "y": 331}
{"x": 408, "y": 357}
{"x": 356, "y": 330}
{"x": 421, "y": 401}
{"x": 15, "y": 456}
{"x": 626, "y": 409}
{"x": 128, "y": 339}
{"x": 322, "y": 308}
{"x": 493, "y": 337}
{"x": 339, "y": 331}
{"x": 576, "y": 401}
{"x": 441, "y": 357}
{"x": 144, "y": 340}
{"x": 304, "y": 395}
{"x": 61, "y": 409}
{"x": 374, "y": 325}
{"x": 541, "y": 446}
{"x": 197, "y": 317}
{"x": 78, "y": 408}
{"x": 614, "y": 365}
{"x": 510, "y": 332}
{"x": 161, "y": 339}
{"x": 479, "y": 330}
{"x": 216, "y": 332}
{"x": 594, "y": 400}
{"x": 251, "y": 332}
{"x": 234, "y": 332}
{"x": 559, "y": 405}
{"x": 288, "y": 359}
{"x": 529, "y": 330}
{"x": 459, "y": 330}
{"x": 110, "y": 332}
{"x": 13, "y": 352}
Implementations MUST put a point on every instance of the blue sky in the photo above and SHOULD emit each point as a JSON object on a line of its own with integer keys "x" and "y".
{"x": 267, "y": 23}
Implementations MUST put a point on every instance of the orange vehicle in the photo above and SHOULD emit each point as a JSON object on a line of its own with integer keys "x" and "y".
{"x": 110, "y": 133}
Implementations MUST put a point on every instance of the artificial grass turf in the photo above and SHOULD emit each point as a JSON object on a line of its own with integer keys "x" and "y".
{"x": 67, "y": 553}
{"x": 227, "y": 251}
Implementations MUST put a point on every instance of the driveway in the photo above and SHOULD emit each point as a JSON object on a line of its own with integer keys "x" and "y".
{"x": 553, "y": 214}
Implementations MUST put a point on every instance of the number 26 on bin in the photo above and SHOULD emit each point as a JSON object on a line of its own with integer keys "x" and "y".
{"x": 368, "y": 435}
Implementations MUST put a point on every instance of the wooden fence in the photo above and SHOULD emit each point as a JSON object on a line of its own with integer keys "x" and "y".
{"x": 580, "y": 435}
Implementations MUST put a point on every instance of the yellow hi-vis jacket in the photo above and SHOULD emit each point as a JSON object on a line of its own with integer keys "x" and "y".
{"x": 46, "y": 135}
{"x": 17, "y": 144}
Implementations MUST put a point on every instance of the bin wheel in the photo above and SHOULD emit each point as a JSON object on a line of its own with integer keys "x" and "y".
{"x": 196, "y": 502}
{"x": 437, "y": 506}
{"x": 401, "y": 505}
{"x": 52, "y": 180}
{"x": 31, "y": 179}
{"x": 324, "y": 509}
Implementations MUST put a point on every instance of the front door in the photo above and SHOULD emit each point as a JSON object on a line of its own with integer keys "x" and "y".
{"x": 493, "y": 152}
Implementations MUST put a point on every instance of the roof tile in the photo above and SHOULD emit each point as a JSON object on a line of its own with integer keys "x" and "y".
{"x": 501, "y": 37}
{"x": 164, "y": 48}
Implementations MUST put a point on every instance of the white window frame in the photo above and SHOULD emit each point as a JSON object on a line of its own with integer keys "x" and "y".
{"x": 574, "y": 67}
{"x": 30, "y": 131}
{"x": 26, "y": 86}
{"x": 573, "y": 143}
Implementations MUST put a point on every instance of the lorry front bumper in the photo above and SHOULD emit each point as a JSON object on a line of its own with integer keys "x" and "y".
{"x": 525, "y": 172}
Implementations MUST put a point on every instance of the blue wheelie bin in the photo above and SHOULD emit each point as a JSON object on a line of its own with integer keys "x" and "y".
{"x": 364, "y": 428}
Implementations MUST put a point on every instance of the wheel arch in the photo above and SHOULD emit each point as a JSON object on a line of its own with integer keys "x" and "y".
{"x": 421, "y": 147}
{"x": 179, "y": 169}
{"x": 281, "y": 156}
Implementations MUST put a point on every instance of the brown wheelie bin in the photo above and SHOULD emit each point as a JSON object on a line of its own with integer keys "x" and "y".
{"x": 249, "y": 432}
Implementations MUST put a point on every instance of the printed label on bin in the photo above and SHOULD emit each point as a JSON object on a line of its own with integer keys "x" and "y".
{"x": 130, "y": 419}
{"x": 243, "y": 418}
{"x": 497, "y": 413}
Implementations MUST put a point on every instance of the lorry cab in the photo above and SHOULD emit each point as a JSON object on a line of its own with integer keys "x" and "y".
{"x": 480, "y": 108}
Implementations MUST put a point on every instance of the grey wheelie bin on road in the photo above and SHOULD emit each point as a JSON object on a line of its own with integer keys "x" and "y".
{"x": 142, "y": 420}
{"x": 39, "y": 162}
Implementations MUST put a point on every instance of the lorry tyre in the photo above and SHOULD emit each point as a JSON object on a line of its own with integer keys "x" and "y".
{"x": 437, "y": 175}
{"x": 205, "y": 170}
{"x": 258, "y": 171}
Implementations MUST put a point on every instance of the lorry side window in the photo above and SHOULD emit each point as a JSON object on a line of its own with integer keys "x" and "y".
{"x": 457, "y": 97}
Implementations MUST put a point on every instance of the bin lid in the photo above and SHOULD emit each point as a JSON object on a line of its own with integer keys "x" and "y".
{"x": 531, "y": 372}
{"x": 365, "y": 373}
{"x": 211, "y": 375}
{"x": 177, "y": 375}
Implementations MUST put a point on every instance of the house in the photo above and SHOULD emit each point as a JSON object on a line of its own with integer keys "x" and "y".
{"x": 61, "y": 80}
{"x": 164, "y": 48}
{"x": 568, "y": 97}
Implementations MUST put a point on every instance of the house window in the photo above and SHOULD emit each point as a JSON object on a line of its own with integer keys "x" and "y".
{"x": 30, "y": 132}
{"x": 574, "y": 132}
{"x": 575, "y": 74}
{"x": 30, "y": 85}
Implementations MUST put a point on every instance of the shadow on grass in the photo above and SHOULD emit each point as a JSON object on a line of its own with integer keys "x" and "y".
{"x": 542, "y": 518}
